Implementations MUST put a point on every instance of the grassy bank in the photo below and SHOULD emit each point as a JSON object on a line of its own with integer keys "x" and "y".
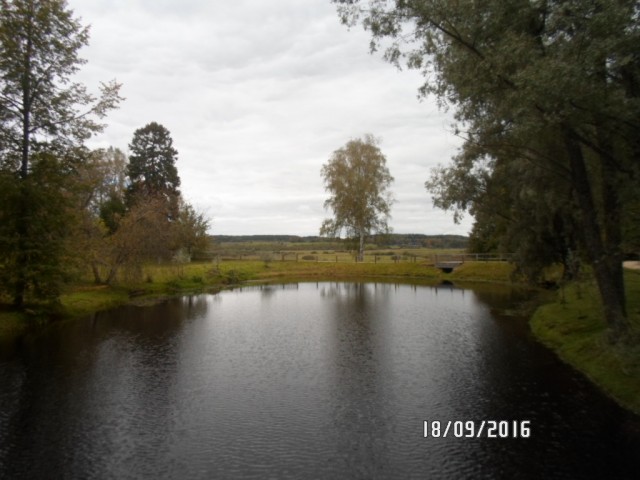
{"x": 573, "y": 327}
{"x": 159, "y": 281}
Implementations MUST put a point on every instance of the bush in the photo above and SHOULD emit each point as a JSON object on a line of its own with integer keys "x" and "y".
{"x": 234, "y": 277}
{"x": 267, "y": 258}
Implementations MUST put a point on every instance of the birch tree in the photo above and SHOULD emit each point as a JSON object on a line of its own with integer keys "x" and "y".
{"x": 358, "y": 180}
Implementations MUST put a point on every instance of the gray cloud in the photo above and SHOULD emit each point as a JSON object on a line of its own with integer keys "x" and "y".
{"x": 257, "y": 95}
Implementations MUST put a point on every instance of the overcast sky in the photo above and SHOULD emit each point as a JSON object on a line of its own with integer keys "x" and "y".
{"x": 257, "y": 95}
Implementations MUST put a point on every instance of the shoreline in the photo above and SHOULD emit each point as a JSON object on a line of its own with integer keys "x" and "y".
{"x": 570, "y": 326}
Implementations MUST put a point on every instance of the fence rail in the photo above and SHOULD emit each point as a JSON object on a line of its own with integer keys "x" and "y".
{"x": 348, "y": 257}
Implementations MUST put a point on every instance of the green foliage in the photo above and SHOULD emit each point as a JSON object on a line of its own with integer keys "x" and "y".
{"x": 519, "y": 209}
{"x": 111, "y": 212}
{"x": 44, "y": 118}
{"x": 39, "y": 46}
{"x": 38, "y": 257}
{"x": 152, "y": 170}
{"x": 358, "y": 180}
{"x": 547, "y": 95}
{"x": 106, "y": 177}
{"x": 190, "y": 230}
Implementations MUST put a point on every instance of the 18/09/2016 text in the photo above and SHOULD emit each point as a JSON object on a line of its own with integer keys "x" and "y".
{"x": 477, "y": 429}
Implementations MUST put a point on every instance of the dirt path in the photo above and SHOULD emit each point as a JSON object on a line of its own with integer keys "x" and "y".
{"x": 632, "y": 264}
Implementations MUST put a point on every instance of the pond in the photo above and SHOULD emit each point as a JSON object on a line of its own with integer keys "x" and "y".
{"x": 308, "y": 380}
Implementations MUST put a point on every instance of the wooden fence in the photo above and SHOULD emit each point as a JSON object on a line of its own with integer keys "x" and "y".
{"x": 349, "y": 257}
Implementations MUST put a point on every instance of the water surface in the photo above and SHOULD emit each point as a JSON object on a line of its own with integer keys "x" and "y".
{"x": 311, "y": 380}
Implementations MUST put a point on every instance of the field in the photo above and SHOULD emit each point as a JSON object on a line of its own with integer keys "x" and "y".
{"x": 321, "y": 252}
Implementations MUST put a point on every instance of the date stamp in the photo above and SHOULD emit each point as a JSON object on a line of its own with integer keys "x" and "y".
{"x": 477, "y": 429}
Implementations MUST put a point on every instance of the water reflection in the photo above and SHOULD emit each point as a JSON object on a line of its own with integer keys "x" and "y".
{"x": 329, "y": 380}
{"x": 359, "y": 427}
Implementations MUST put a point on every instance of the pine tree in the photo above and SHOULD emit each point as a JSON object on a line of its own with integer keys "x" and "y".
{"x": 152, "y": 164}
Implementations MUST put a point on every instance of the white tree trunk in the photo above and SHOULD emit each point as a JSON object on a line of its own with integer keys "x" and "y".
{"x": 361, "y": 248}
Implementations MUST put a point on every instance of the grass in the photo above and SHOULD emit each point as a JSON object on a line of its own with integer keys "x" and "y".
{"x": 497, "y": 272}
{"x": 84, "y": 300}
{"x": 574, "y": 328}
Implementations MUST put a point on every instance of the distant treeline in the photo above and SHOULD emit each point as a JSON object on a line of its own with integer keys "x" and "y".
{"x": 395, "y": 239}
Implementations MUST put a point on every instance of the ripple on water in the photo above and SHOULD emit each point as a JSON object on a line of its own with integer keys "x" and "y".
{"x": 324, "y": 380}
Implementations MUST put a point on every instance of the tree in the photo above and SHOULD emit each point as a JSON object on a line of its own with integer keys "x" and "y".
{"x": 521, "y": 71}
{"x": 43, "y": 239}
{"x": 519, "y": 209}
{"x": 110, "y": 236}
{"x": 144, "y": 234}
{"x": 190, "y": 230}
{"x": 98, "y": 206}
{"x": 152, "y": 170}
{"x": 358, "y": 180}
{"x": 106, "y": 177}
{"x": 43, "y": 114}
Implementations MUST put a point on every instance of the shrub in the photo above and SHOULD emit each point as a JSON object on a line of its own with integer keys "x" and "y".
{"x": 234, "y": 277}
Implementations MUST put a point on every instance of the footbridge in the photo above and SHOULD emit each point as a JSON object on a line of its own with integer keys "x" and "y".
{"x": 449, "y": 262}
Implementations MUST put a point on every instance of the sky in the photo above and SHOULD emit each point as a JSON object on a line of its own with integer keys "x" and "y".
{"x": 257, "y": 95}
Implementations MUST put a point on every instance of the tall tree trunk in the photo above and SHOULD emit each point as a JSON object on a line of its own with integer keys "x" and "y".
{"x": 96, "y": 273}
{"x": 605, "y": 265}
{"x": 20, "y": 286}
{"x": 22, "y": 229}
{"x": 113, "y": 272}
{"x": 612, "y": 208}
